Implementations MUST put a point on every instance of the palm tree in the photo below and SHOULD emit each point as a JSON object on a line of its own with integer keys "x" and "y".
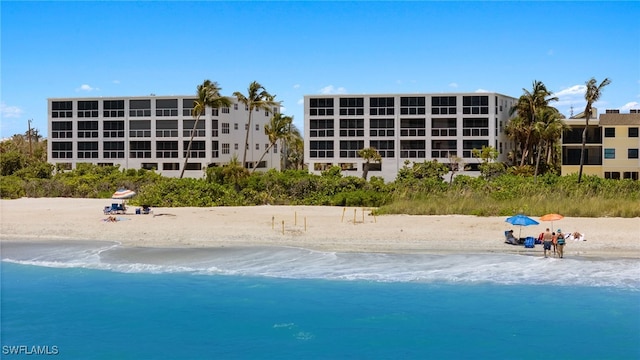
{"x": 526, "y": 107}
{"x": 257, "y": 98}
{"x": 515, "y": 131}
{"x": 208, "y": 94}
{"x": 591, "y": 94}
{"x": 293, "y": 147}
{"x": 276, "y": 129}
{"x": 368, "y": 154}
{"x": 552, "y": 135}
{"x": 234, "y": 172}
{"x": 548, "y": 129}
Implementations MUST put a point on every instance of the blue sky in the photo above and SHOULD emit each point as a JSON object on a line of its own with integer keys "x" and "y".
{"x": 81, "y": 49}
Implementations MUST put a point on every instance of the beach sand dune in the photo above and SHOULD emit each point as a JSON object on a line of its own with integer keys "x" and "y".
{"x": 314, "y": 227}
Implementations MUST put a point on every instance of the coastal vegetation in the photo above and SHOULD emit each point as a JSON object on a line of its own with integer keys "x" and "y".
{"x": 529, "y": 182}
{"x": 420, "y": 188}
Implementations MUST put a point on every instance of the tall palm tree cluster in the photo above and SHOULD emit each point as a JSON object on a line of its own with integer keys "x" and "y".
{"x": 536, "y": 130}
{"x": 279, "y": 129}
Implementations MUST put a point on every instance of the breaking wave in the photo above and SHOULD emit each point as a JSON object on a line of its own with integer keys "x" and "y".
{"x": 292, "y": 263}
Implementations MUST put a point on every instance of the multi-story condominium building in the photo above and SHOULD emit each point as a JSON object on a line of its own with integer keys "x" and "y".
{"x": 612, "y": 145}
{"x": 153, "y": 132}
{"x": 413, "y": 127}
{"x": 572, "y": 144}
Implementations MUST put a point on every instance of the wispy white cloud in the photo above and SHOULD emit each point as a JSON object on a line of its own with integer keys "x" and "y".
{"x": 296, "y": 86}
{"x": 572, "y": 96}
{"x": 453, "y": 85}
{"x": 572, "y": 91}
{"x": 116, "y": 81}
{"x": 630, "y": 105}
{"x": 10, "y": 111}
{"x": 482, "y": 91}
{"x": 300, "y": 101}
{"x": 571, "y": 100}
{"x": 329, "y": 90}
{"x": 87, "y": 88}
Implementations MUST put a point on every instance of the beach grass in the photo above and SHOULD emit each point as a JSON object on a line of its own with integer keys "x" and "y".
{"x": 537, "y": 205}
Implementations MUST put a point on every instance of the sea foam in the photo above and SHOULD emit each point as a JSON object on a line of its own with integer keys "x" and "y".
{"x": 298, "y": 263}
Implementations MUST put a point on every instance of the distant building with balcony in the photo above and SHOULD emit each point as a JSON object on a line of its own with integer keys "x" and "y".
{"x": 403, "y": 127}
{"x": 611, "y": 148}
{"x": 153, "y": 132}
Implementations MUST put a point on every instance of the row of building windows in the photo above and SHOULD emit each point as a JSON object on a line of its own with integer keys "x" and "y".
{"x": 386, "y": 148}
{"x": 408, "y": 127}
{"x": 440, "y": 105}
{"x": 611, "y": 153}
{"x": 137, "y": 108}
{"x": 141, "y": 149}
{"x": 633, "y": 175}
{"x": 348, "y": 166}
{"x": 138, "y": 128}
{"x": 345, "y": 166}
{"x": 167, "y": 166}
{"x": 611, "y": 132}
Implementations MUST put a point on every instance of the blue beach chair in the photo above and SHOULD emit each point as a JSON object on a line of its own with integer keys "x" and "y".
{"x": 529, "y": 242}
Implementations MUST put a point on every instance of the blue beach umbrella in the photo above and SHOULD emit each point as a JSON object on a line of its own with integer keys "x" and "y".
{"x": 521, "y": 220}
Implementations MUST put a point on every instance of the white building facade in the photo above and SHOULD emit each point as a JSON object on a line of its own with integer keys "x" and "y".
{"x": 413, "y": 127}
{"x": 153, "y": 132}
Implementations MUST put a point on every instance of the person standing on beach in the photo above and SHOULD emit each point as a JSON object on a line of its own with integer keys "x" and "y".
{"x": 560, "y": 243}
{"x": 547, "y": 240}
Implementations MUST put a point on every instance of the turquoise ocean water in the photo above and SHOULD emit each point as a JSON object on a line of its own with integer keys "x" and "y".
{"x": 91, "y": 300}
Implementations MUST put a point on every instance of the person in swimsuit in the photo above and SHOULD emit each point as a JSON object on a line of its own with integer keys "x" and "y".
{"x": 560, "y": 243}
{"x": 547, "y": 240}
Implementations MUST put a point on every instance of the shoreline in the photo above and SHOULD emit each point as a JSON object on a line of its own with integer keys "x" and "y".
{"x": 4, "y": 242}
{"x": 323, "y": 228}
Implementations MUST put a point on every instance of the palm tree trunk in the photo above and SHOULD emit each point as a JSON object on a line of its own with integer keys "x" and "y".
{"x": 246, "y": 138}
{"x": 539, "y": 151}
{"x": 525, "y": 150}
{"x": 261, "y": 157}
{"x": 584, "y": 144}
{"x": 283, "y": 144}
{"x": 186, "y": 158}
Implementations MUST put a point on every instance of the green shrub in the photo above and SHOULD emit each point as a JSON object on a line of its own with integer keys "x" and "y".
{"x": 11, "y": 187}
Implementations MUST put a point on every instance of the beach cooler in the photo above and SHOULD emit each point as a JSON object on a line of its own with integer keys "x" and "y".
{"x": 529, "y": 242}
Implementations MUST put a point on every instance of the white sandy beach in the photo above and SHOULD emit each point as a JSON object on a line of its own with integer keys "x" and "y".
{"x": 313, "y": 227}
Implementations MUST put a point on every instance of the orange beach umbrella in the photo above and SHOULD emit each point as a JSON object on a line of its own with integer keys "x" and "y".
{"x": 551, "y": 217}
